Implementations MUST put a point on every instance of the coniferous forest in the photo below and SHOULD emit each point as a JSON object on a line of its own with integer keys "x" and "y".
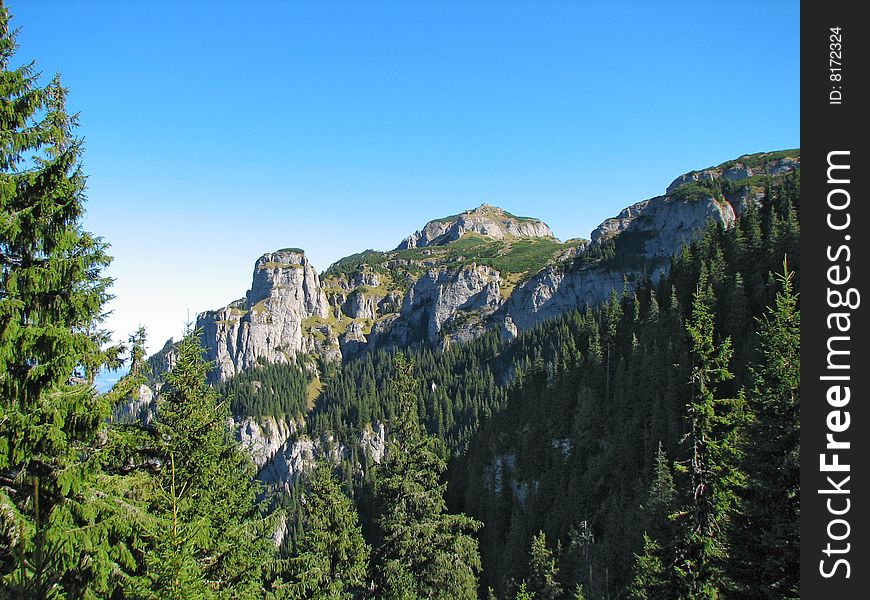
{"x": 645, "y": 448}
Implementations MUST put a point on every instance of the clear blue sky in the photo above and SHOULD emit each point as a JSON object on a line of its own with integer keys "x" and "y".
{"x": 217, "y": 131}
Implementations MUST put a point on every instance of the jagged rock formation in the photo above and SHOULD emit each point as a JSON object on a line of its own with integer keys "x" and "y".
{"x": 486, "y": 220}
{"x": 142, "y": 408}
{"x": 267, "y": 323}
{"x": 655, "y": 230}
{"x": 462, "y": 275}
{"x": 263, "y": 437}
{"x": 298, "y": 454}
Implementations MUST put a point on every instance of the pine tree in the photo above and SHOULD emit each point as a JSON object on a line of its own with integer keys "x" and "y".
{"x": 543, "y": 572}
{"x": 209, "y": 496}
{"x": 332, "y": 557}
{"x": 713, "y": 473}
{"x": 426, "y": 552}
{"x": 771, "y": 500}
{"x": 55, "y": 537}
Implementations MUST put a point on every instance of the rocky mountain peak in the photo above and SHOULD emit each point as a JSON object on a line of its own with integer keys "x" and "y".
{"x": 486, "y": 220}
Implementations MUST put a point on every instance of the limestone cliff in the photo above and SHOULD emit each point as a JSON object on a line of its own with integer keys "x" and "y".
{"x": 267, "y": 324}
{"x": 648, "y": 233}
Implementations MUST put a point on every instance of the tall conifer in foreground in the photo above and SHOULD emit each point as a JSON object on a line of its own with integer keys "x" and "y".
{"x": 771, "y": 500}
{"x": 543, "y": 572}
{"x": 712, "y": 473}
{"x": 426, "y": 552}
{"x": 63, "y": 524}
{"x": 652, "y": 569}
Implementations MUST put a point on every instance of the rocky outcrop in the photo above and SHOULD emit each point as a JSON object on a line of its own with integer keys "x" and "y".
{"x": 300, "y": 453}
{"x": 666, "y": 223}
{"x": 141, "y": 409}
{"x": 267, "y": 324}
{"x": 555, "y": 291}
{"x": 360, "y": 306}
{"x": 263, "y": 437}
{"x": 373, "y": 441}
{"x": 487, "y": 221}
{"x": 353, "y": 340}
{"x": 439, "y": 295}
{"x": 654, "y": 230}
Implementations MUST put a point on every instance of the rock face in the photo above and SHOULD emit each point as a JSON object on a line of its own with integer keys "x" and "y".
{"x": 299, "y": 454}
{"x": 267, "y": 323}
{"x": 141, "y": 409}
{"x": 668, "y": 223}
{"x": 555, "y": 291}
{"x": 263, "y": 437}
{"x": 488, "y": 221}
{"x": 440, "y": 294}
{"x": 463, "y": 275}
{"x": 656, "y": 229}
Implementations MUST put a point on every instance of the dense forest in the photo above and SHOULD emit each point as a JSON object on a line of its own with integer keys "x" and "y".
{"x": 645, "y": 448}
{"x": 582, "y": 428}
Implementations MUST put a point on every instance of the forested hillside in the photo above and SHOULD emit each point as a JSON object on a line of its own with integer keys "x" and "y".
{"x": 585, "y": 415}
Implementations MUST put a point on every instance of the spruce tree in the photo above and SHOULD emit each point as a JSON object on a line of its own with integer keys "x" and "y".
{"x": 426, "y": 552}
{"x": 60, "y": 530}
{"x": 331, "y": 560}
{"x": 661, "y": 495}
{"x": 771, "y": 500}
{"x": 523, "y": 593}
{"x": 213, "y": 527}
{"x": 713, "y": 476}
{"x": 650, "y": 580}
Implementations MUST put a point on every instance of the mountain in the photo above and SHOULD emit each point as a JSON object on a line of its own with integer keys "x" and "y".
{"x": 466, "y": 274}
{"x": 489, "y": 221}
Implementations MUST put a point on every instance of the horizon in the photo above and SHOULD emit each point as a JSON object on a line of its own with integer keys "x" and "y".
{"x": 215, "y": 134}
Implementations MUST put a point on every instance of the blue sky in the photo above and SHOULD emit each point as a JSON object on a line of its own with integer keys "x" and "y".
{"x": 217, "y": 131}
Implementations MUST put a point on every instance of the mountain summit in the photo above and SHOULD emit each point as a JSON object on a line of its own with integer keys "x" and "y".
{"x": 488, "y": 221}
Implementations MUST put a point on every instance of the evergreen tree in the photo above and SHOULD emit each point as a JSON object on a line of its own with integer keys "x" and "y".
{"x": 59, "y": 534}
{"x": 523, "y": 593}
{"x": 652, "y": 567}
{"x": 209, "y": 495}
{"x": 771, "y": 500}
{"x": 661, "y": 495}
{"x": 174, "y": 573}
{"x": 332, "y": 557}
{"x": 713, "y": 473}
{"x": 426, "y": 552}
{"x": 650, "y": 573}
{"x": 543, "y": 572}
